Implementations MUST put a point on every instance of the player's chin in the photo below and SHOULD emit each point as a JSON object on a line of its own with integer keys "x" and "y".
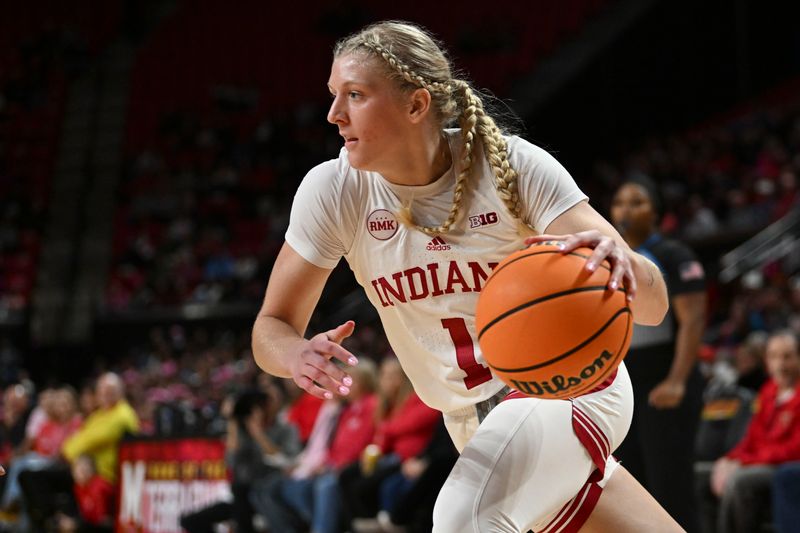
{"x": 360, "y": 161}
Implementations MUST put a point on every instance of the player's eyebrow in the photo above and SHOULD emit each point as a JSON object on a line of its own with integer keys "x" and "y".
{"x": 349, "y": 83}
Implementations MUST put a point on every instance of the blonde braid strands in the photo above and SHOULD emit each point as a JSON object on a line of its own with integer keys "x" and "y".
{"x": 405, "y": 71}
{"x": 405, "y": 215}
{"x": 413, "y": 57}
{"x": 496, "y": 149}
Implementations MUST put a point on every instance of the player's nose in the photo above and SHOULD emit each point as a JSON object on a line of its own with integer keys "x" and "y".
{"x": 336, "y": 114}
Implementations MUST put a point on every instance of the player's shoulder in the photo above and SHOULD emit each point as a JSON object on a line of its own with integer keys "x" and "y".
{"x": 526, "y": 156}
{"x": 332, "y": 170}
{"x": 334, "y": 176}
{"x": 520, "y": 147}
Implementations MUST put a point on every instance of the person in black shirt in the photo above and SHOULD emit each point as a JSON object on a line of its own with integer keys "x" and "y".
{"x": 257, "y": 446}
{"x": 659, "y": 448}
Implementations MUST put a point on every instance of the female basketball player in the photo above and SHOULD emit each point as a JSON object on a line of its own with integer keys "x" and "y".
{"x": 466, "y": 199}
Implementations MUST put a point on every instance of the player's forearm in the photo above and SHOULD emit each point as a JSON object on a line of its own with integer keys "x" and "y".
{"x": 687, "y": 345}
{"x": 273, "y": 342}
{"x": 651, "y": 301}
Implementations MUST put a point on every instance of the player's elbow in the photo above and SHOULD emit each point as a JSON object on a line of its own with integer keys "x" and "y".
{"x": 258, "y": 346}
{"x": 651, "y": 303}
{"x": 650, "y": 309}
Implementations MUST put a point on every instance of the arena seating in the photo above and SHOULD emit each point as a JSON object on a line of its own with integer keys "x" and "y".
{"x": 38, "y": 56}
{"x": 222, "y": 126}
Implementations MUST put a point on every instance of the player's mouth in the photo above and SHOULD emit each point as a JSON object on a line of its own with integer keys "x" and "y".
{"x": 349, "y": 141}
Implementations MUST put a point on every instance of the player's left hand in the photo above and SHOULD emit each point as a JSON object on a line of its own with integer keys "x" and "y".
{"x": 2, "y": 471}
{"x": 605, "y": 247}
{"x": 667, "y": 395}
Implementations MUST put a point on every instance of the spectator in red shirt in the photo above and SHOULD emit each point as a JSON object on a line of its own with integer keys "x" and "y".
{"x": 39, "y": 415}
{"x": 60, "y": 420}
{"x": 303, "y": 411}
{"x": 309, "y": 493}
{"x": 63, "y": 421}
{"x": 404, "y": 425}
{"x": 742, "y": 478}
{"x": 95, "y": 497}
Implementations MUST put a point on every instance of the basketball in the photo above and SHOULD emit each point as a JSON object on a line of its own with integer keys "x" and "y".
{"x": 550, "y": 328}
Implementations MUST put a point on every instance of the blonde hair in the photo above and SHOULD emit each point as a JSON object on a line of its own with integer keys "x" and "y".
{"x": 386, "y": 403}
{"x": 415, "y": 60}
{"x": 366, "y": 374}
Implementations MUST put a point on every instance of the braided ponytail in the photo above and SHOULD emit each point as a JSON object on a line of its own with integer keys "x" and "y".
{"x": 415, "y": 60}
{"x": 496, "y": 149}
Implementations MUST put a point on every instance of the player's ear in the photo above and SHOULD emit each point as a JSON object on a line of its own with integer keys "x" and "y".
{"x": 420, "y": 105}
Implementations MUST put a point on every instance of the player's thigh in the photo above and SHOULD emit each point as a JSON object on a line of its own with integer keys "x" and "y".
{"x": 521, "y": 466}
{"x": 610, "y": 409}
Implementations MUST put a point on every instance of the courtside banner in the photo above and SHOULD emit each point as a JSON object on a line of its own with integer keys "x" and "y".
{"x": 162, "y": 479}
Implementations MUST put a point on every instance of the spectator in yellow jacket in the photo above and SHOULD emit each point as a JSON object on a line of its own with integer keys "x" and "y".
{"x": 102, "y": 430}
{"x": 98, "y": 437}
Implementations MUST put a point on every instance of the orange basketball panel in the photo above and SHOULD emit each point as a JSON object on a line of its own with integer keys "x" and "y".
{"x": 532, "y": 277}
{"x": 549, "y": 328}
{"x": 577, "y": 372}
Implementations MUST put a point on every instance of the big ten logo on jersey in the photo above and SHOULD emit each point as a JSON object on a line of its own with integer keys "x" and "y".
{"x": 382, "y": 224}
{"x": 484, "y": 219}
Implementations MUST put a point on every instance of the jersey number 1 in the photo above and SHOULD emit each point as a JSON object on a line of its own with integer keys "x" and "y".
{"x": 465, "y": 352}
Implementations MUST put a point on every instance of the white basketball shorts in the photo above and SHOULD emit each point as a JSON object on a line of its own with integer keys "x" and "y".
{"x": 532, "y": 463}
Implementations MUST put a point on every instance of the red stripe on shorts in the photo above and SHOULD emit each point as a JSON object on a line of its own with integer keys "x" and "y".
{"x": 588, "y": 432}
{"x": 592, "y": 437}
{"x": 575, "y": 513}
{"x": 515, "y": 394}
{"x": 583, "y": 419}
{"x": 606, "y": 383}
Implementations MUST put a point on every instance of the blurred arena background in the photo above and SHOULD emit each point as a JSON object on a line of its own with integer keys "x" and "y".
{"x": 149, "y": 152}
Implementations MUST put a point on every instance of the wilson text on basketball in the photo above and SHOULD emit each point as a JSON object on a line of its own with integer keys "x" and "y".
{"x": 561, "y": 383}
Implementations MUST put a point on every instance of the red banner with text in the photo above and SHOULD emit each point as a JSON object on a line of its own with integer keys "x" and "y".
{"x": 162, "y": 479}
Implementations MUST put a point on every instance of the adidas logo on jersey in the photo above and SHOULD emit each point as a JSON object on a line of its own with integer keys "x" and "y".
{"x": 437, "y": 244}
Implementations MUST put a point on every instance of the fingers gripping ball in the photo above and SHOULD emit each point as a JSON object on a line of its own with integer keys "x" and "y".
{"x": 550, "y": 328}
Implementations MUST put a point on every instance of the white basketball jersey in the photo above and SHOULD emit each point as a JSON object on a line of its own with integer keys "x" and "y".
{"x": 425, "y": 287}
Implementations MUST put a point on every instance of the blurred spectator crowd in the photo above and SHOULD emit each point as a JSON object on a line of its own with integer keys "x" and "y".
{"x": 201, "y": 211}
{"x": 295, "y": 461}
{"x": 41, "y": 51}
{"x": 370, "y": 462}
{"x": 724, "y": 179}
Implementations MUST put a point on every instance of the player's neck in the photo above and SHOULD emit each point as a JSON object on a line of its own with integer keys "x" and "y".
{"x": 423, "y": 162}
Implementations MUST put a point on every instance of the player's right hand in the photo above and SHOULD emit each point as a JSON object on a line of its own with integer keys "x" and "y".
{"x": 312, "y": 368}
